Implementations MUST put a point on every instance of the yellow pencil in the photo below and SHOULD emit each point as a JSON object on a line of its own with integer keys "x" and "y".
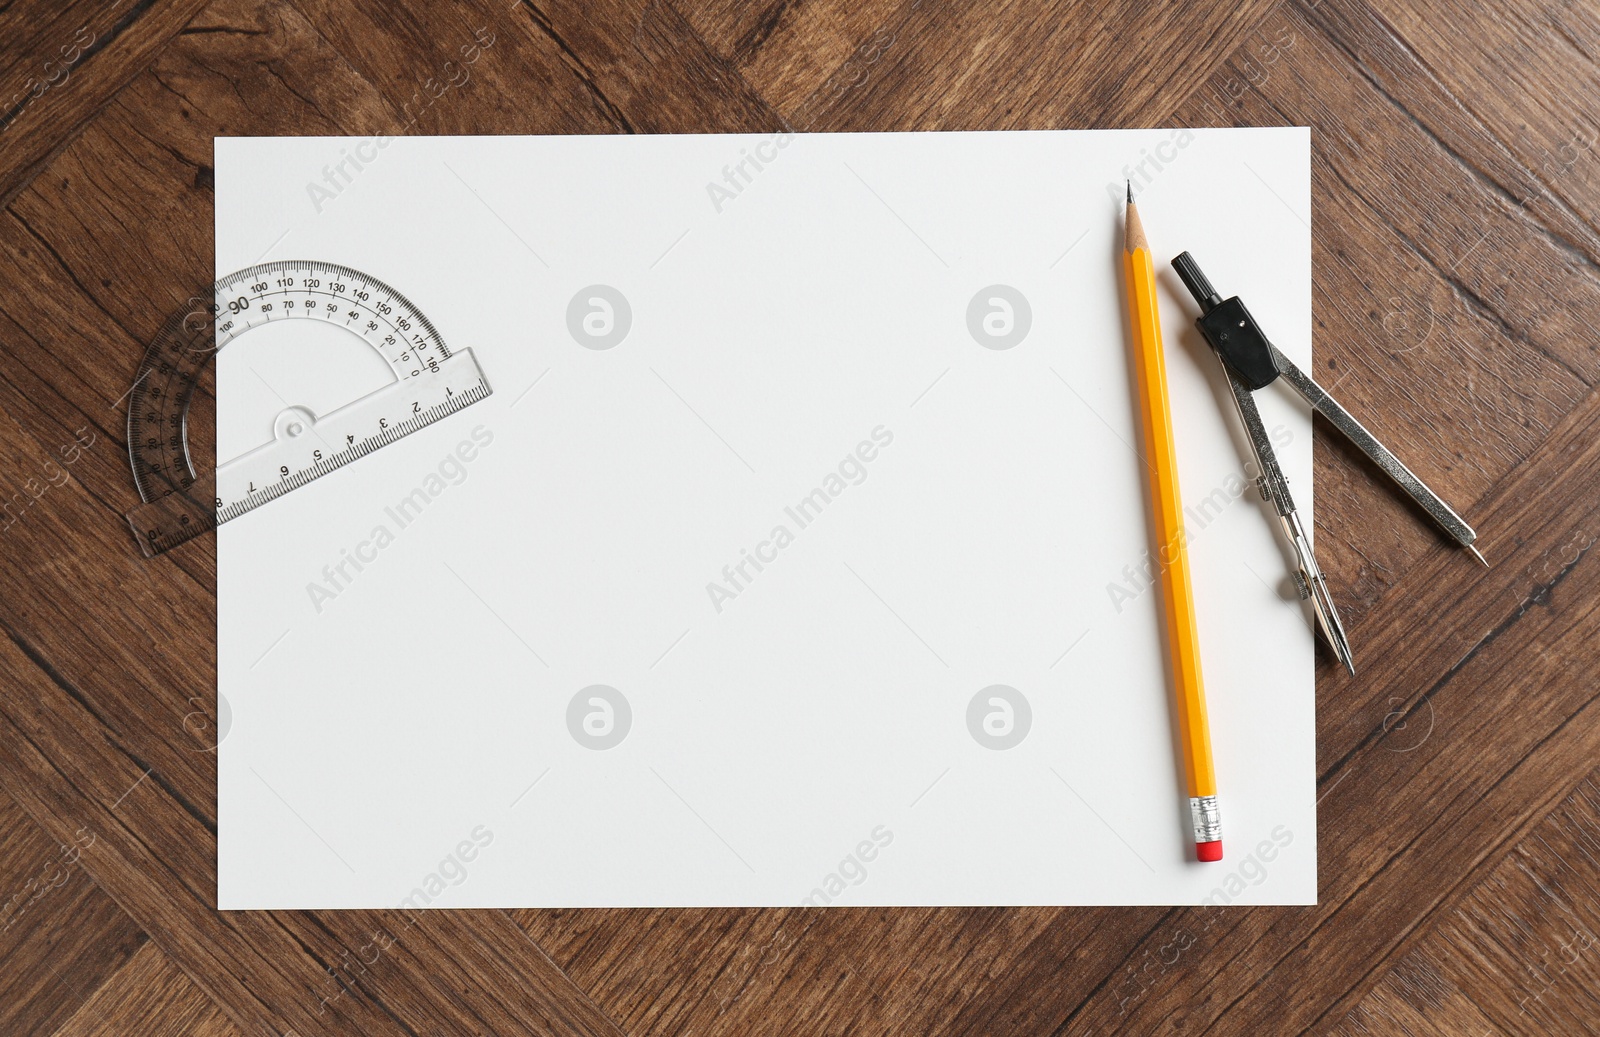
{"x": 1177, "y": 599}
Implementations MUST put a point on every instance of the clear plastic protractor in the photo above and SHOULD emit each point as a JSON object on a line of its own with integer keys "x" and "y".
{"x": 183, "y": 495}
{"x": 338, "y": 295}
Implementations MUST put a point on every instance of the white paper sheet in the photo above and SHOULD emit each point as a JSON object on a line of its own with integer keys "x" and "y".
{"x": 811, "y": 320}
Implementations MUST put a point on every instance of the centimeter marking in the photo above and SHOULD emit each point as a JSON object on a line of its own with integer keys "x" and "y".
{"x": 167, "y": 541}
{"x": 353, "y": 453}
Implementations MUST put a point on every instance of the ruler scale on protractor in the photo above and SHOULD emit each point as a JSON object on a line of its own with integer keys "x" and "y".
{"x": 180, "y": 503}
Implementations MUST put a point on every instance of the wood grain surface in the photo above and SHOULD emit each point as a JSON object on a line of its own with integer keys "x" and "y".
{"x": 1457, "y": 285}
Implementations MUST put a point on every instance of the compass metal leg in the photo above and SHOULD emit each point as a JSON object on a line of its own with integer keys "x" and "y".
{"x": 1354, "y": 431}
{"x": 1275, "y": 489}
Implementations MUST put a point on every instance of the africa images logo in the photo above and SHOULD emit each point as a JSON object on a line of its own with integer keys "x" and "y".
{"x": 999, "y": 317}
{"x": 599, "y": 317}
{"x": 599, "y": 717}
{"x": 999, "y": 717}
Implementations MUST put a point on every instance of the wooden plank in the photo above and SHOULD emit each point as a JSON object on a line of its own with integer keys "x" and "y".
{"x": 651, "y": 67}
{"x": 83, "y": 612}
{"x": 1010, "y": 65}
{"x": 443, "y": 971}
{"x": 493, "y": 68}
{"x": 801, "y": 55}
{"x": 1521, "y": 953}
{"x": 61, "y": 62}
{"x": 61, "y": 937}
{"x": 1528, "y": 73}
{"x": 1526, "y": 940}
{"x": 148, "y": 996}
{"x": 867, "y": 970}
{"x": 52, "y": 397}
{"x": 1415, "y": 1000}
{"x": 126, "y": 211}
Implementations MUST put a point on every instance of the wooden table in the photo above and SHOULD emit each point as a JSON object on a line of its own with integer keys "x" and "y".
{"x": 1457, "y": 288}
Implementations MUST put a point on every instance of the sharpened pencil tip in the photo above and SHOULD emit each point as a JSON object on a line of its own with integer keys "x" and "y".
{"x": 1130, "y": 191}
{"x": 1479, "y": 555}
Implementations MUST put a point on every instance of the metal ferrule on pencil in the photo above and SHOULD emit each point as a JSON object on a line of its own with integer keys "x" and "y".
{"x": 1207, "y": 817}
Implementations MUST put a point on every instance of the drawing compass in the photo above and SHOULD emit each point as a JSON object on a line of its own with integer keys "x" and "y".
{"x": 1252, "y": 362}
